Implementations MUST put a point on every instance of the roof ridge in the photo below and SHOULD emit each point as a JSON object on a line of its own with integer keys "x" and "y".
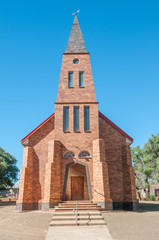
{"x": 37, "y": 128}
{"x": 115, "y": 126}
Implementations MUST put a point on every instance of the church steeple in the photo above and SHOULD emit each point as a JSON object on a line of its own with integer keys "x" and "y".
{"x": 76, "y": 81}
{"x": 76, "y": 42}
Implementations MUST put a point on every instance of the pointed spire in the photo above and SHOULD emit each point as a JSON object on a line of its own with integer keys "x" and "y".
{"x": 75, "y": 43}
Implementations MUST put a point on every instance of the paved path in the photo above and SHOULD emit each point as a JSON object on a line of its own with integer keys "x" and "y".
{"x": 78, "y": 233}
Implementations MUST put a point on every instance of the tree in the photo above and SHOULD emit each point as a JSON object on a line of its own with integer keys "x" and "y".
{"x": 8, "y": 170}
{"x": 146, "y": 163}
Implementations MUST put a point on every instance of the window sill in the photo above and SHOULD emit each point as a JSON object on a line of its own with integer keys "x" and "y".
{"x": 82, "y": 87}
{"x": 70, "y": 87}
{"x": 87, "y": 131}
{"x": 66, "y": 131}
{"x": 77, "y": 131}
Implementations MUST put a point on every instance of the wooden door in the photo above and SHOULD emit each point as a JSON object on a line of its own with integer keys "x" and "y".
{"x": 77, "y": 188}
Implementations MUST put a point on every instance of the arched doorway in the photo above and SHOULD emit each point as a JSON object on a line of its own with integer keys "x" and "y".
{"x": 77, "y": 182}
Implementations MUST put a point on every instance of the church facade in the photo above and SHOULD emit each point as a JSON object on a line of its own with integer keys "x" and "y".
{"x": 77, "y": 153}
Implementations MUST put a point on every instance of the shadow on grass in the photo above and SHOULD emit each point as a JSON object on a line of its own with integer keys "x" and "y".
{"x": 148, "y": 207}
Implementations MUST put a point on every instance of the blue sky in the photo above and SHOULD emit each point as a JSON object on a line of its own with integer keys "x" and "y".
{"x": 123, "y": 40}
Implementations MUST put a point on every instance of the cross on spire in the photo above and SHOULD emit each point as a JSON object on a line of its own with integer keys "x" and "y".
{"x": 75, "y": 13}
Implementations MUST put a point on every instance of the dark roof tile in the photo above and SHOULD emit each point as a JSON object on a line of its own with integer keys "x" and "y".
{"x": 76, "y": 43}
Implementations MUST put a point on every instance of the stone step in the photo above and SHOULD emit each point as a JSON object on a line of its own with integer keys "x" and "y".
{"x": 80, "y": 223}
{"x": 79, "y": 206}
{"x": 82, "y": 201}
{"x": 88, "y": 214}
{"x": 73, "y": 218}
{"x": 83, "y": 217}
{"x": 80, "y": 209}
{"x": 97, "y": 213}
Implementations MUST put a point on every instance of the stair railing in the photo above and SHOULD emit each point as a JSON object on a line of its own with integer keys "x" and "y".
{"x": 75, "y": 211}
{"x": 99, "y": 192}
{"x": 56, "y": 191}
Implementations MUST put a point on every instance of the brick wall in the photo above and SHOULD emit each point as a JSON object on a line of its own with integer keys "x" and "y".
{"x": 32, "y": 177}
{"x": 120, "y": 170}
{"x": 76, "y": 94}
{"x": 44, "y": 165}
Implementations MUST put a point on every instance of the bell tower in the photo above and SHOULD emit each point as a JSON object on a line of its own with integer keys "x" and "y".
{"x": 76, "y": 108}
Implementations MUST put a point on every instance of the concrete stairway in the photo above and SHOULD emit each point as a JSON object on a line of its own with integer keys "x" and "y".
{"x": 88, "y": 214}
{"x": 82, "y": 206}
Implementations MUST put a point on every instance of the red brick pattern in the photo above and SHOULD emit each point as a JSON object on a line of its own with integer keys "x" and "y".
{"x": 76, "y": 94}
{"x": 43, "y": 174}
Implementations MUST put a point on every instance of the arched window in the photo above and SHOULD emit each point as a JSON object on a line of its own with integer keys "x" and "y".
{"x": 69, "y": 155}
{"x": 84, "y": 154}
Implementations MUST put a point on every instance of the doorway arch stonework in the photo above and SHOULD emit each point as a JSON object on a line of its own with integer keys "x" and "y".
{"x": 76, "y": 161}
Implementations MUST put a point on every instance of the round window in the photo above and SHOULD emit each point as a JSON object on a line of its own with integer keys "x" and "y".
{"x": 75, "y": 61}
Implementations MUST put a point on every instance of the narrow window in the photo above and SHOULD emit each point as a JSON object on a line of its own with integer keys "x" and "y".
{"x": 70, "y": 79}
{"x": 65, "y": 118}
{"x": 81, "y": 79}
{"x": 86, "y": 118}
{"x": 76, "y": 118}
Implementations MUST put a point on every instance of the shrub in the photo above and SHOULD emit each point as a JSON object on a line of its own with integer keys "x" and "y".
{"x": 152, "y": 197}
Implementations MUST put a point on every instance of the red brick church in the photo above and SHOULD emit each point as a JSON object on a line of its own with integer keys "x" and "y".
{"x": 77, "y": 153}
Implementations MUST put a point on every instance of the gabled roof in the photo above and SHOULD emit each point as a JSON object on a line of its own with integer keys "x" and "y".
{"x": 37, "y": 128}
{"x": 100, "y": 114}
{"x": 76, "y": 43}
{"x": 115, "y": 126}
